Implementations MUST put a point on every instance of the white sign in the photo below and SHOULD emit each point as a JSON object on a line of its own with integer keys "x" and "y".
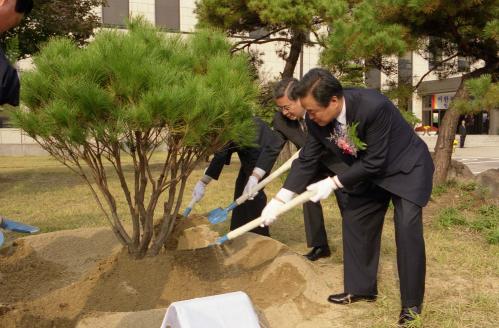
{"x": 442, "y": 100}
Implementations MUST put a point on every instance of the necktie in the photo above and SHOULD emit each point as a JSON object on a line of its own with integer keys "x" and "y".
{"x": 337, "y": 126}
{"x": 303, "y": 126}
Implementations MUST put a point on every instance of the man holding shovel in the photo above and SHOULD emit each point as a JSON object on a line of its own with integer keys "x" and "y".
{"x": 367, "y": 131}
{"x": 248, "y": 156}
{"x": 289, "y": 125}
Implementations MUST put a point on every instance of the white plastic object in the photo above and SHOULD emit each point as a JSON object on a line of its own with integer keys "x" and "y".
{"x": 219, "y": 311}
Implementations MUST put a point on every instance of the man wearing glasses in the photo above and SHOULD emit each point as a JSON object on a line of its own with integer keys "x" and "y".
{"x": 289, "y": 125}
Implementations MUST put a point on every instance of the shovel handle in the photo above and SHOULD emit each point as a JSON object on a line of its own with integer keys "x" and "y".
{"x": 189, "y": 207}
{"x": 192, "y": 203}
{"x": 283, "y": 168}
{"x": 298, "y": 200}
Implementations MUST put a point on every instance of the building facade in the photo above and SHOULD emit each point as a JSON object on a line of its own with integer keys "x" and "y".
{"x": 178, "y": 16}
{"x": 429, "y": 102}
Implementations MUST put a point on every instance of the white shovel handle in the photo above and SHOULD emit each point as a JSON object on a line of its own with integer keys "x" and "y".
{"x": 283, "y": 168}
{"x": 298, "y": 200}
{"x": 192, "y": 203}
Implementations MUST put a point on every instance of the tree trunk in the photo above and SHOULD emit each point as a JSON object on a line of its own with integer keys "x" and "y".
{"x": 493, "y": 121}
{"x": 447, "y": 131}
{"x": 445, "y": 141}
{"x": 297, "y": 41}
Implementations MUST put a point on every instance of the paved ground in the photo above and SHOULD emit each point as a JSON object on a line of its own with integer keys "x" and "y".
{"x": 480, "y": 152}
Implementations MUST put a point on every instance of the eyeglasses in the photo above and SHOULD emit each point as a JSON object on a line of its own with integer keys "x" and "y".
{"x": 283, "y": 108}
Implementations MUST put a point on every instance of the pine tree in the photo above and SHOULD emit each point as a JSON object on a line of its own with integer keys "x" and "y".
{"x": 288, "y": 21}
{"x": 374, "y": 29}
{"x": 111, "y": 105}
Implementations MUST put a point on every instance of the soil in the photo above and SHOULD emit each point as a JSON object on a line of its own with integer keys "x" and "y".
{"x": 84, "y": 278}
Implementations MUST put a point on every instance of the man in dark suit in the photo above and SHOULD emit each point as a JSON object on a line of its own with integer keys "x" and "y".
{"x": 248, "y": 156}
{"x": 11, "y": 14}
{"x": 289, "y": 125}
{"x": 367, "y": 132}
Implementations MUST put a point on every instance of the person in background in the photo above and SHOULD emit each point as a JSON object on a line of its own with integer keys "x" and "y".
{"x": 289, "y": 125}
{"x": 248, "y": 156}
{"x": 462, "y": 134}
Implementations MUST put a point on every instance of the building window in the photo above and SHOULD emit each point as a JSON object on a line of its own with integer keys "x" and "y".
{"x": 427, "y": 101}
{"x": 115, "y": 12}
{"x": 168, "y": 14}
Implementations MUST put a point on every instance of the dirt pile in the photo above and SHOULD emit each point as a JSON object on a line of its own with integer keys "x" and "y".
{"x": 282, "y": 284}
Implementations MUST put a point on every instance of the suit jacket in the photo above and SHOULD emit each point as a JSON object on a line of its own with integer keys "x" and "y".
{"x": 289, "y": 130}
{"x": 396, "y": 159}
{"x": 265, "y": 138}
{"x": 9, "y": 83}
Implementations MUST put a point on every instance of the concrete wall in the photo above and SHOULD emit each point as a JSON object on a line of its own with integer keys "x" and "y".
{"x": 14, "y": 142}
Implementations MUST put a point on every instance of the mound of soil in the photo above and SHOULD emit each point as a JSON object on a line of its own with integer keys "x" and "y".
{"x": 76, "y": 278}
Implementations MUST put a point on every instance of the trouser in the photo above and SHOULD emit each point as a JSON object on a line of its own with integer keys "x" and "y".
{"x": 249, "y": 210}
{"x": 363, "y": 217}
{"x": 314, "y": 224}
{"x": 462, "y": 138}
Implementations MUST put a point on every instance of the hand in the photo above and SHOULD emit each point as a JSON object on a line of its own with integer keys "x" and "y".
{"x": 250, "y": 186}
{"x": 199, "y": 190}
{"x": 269, "y": 213}
{"x": 322, "y": 189}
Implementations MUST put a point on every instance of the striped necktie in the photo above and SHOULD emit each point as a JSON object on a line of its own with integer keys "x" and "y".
{"x": 303, "y": 126}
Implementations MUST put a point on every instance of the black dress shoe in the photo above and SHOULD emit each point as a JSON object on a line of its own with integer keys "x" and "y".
{"x": 346, "y": 298}
{"x": 318, "y": 252}
{"x": 409, "y": 314}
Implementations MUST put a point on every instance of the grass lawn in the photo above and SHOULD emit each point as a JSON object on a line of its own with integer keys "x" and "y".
{"x": 461, "y": 225}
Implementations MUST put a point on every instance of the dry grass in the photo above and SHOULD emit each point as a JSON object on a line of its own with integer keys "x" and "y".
{"x": 462, "y": 287}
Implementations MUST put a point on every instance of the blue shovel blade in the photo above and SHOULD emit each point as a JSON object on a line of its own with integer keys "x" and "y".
{"x": 217, "y": 215}
{"x": 18, "y": 227}
{"x": 220, "y": 215}
{"x": 2, "y": 239}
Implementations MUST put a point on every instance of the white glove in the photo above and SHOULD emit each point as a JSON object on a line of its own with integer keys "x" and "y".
{"x": 199, "y": 190}
{"x": 269, "y": 213}
{"x": 200, "y": 187}
{"x": 250, "y": 186}
{"x": 322, "y": 189}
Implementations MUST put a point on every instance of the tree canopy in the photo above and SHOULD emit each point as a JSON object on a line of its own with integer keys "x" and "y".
{"x": 288, "y": 21}
{"x": 374, "y": 29}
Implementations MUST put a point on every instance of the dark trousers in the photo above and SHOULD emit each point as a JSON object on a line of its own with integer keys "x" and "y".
{"x": 249, "y": 210}
{"x": 363, "y": 217}
{"x": 462, "y": 138}
{"x": 313, "y": 216}
{"x": 314, "y": 224}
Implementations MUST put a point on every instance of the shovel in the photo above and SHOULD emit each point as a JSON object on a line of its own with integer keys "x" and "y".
{"x": 16, "y": 227}
{"x": 189, "y": 207}
{"x": 298, "y": 200}
{"x": 220, "y": 214}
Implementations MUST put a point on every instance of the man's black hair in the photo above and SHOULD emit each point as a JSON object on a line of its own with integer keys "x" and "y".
{"x": 284, "y": 88}
{"x": 321, "y": 84}
{"x": 24, "y": 6}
